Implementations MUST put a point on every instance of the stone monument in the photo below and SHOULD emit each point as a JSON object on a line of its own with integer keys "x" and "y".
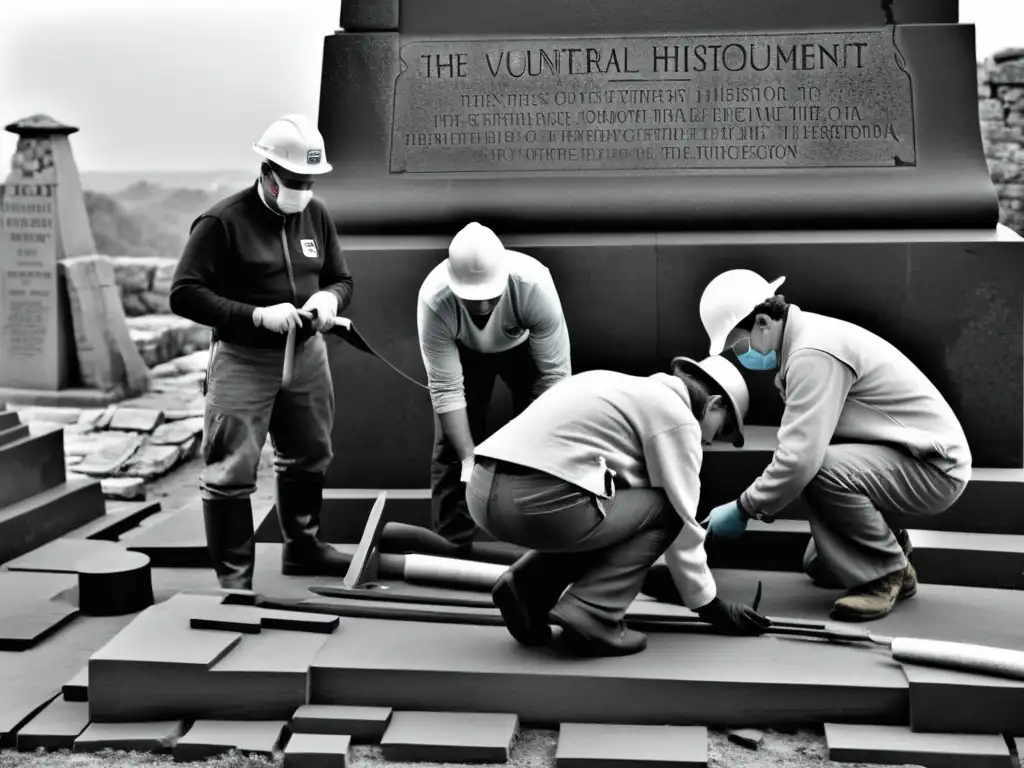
{"x": 63, "y": 337}
{"x": 638, "y": 149}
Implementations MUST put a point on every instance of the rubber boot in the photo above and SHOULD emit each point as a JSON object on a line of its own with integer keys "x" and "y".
{"x": 585, "y": 635}
{"x": 299, "y": 499}
{"x": 231, "y": 541}
{"x": 530, "y": 588}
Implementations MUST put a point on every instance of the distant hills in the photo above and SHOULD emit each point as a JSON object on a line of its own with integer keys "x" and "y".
{"x": 150, "y": 213}
{"x": 108, "y": 182}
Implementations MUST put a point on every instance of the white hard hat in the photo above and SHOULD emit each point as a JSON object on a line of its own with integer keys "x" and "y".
{"x": 728, "y": 378}
{"x": 728, "y": 299}
{"x": 294, "y": 143}
{"x": 477, "y": 264}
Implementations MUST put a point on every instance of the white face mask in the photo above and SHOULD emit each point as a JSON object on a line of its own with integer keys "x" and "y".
{"x": 291, "y": 200}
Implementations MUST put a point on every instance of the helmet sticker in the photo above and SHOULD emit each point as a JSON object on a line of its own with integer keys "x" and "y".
{"x": 313, "y": 157}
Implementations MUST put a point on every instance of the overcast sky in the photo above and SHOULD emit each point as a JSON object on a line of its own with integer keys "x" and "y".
{"x": 183, "y": 84}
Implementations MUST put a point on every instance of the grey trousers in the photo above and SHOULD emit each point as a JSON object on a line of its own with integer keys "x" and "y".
{"x": 623, "y": 536}
{"x": 858, "y": 485}
{"x": 244, "y": 401}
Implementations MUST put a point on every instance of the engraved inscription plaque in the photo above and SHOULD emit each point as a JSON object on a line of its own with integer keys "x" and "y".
{"x": 808, "y": 100}
{"x": 29, "y": 298}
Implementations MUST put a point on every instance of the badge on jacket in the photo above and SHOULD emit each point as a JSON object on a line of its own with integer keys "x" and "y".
{"x": 309, "y": 248}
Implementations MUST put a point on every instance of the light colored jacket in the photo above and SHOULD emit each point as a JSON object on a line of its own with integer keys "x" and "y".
{"x": 529, "y": 311}
{"x": 640, "y": 431}
{"x": 838, "y": 379}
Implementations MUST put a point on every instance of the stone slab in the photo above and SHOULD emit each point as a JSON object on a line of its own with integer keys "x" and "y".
{"x": 10, "y": 434}
{"x": 679, "y": 679}
{"x": 154, "y": 461}
{"x": 161, "y": 669}
{"x": 114, "y": 451}
{"x": 31, "y": 465}
{"x": 33, "y": 607}
{"x": 359, "y": 723}
{"x": 127, "y": 488}
{"x": 35, "y": 323}
{"x": 55, "y": 728}
{"x": 210, "y": 738}
{"x": 9, "y": 419}
{"x": 898, "y": 745}
{"x": 121, "y": 516}
{"x": 83, "y": 397}
{"x": 129, "y": 419}
{"x": 178, "y": 540}
{"x": 154, "y": 736}
{"x": 252, "y": 620}
{"x": 949, "y": 701}
{"x": 368, "y": 194}
{"x": 77, "y": 688}
{"x": 41, "y": 518}
{"x": 107, "y": 357}
{"x": 607, "y": 17}
{"x": 940, "y": 557}
{"x": 449, "y": 737}
{"x": 586, "y": 745}
{"x": 317, "y": 750}
{"x": 30, "y": 679}
{"x": 640, "y": 331}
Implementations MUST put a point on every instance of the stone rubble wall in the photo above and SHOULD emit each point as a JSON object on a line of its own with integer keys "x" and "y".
{"x": 1001, "y": 110}
{"x": 144, "y": 284}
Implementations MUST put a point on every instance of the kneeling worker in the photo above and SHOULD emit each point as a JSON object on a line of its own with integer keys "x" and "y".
{"x": 255, "y": 266}
{"x": 483, "y": 312}
{"x": 600, "y": 476}
{"x": 899, "y": 446}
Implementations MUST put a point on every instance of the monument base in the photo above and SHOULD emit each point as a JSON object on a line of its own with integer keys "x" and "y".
{"x": 950, "y": 299}
{"x": 73, "y": 397}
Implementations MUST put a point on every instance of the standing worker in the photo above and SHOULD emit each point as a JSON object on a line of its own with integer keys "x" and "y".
{"x": 600, "y": 477}
{"x": 256, "y": 265}
{"x": 483, "y": 312}
{"x": 900, "y": 447}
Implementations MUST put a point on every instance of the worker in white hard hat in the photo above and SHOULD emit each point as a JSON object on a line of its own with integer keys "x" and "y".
{"x": 864, "y": 435}
{"x": 484, "y": 312}
{"x": 255, "y": 266}
{"x": 599, "y": 477}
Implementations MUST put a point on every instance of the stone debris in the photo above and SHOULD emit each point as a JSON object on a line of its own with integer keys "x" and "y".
{"x": 163, "y": 337}
{"x": 747, "y": 737}
{"x": 126, "y": 488}
{"x": 130, "y": 419}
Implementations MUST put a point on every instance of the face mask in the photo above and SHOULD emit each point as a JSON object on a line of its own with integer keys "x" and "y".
{"x": 753, "y": 360}
{"x": 291, "y": 200}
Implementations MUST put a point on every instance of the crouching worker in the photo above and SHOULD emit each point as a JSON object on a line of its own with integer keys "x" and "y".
{"x": 864, "y": 435}
{"x": 255, "y": 266}
{"x": 599, "y": 476}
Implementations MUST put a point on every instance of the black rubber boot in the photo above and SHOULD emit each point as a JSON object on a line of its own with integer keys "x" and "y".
{"x": 231, "y": 541}
{"x": 530, "y": 588}
{"x": 583, "y": 634}
{"x": 299, "y": 499}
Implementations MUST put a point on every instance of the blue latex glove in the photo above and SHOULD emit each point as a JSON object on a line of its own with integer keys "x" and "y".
{"x": 727, "y": 521}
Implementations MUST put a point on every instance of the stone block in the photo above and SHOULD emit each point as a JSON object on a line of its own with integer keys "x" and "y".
{"x": 316, "y": 750}
{"x": 56, "y": 727}
{"x": 990, "y": 109}
{"x": 163, "y": 276}
{"x": 112, "y": 451}
{"x": 107, "y": 358}
{"x": 360, "y": 723}
{"x": 153, "y": 461}
{"x": 1008, "y": 73}
{"x": 210, "y": 738}
{"x": 176, "y": 432}
{"x": 134, "y": 274}
{"x": 581, "y": 745}
{"x": 154, "y": 737}
{"x": 160, "y": 338}
{"x": 129, "y": 419}
{"x": 126, "y": 488}
{"x": 449, "y": 737}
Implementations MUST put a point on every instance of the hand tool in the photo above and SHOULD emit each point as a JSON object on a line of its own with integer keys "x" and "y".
{"x": 289, "y": 349}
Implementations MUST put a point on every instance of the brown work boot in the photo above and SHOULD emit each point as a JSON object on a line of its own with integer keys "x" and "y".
{"x": 877, "y": 598}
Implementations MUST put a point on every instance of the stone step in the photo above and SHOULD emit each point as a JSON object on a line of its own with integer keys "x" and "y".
{"x": 48, "y": 515}
{"x": 31, "y": 465}
{"x": 941, "y": 557}
{"x": 8, "y": 419}
{"x": 993, "y": 501}
{"x": 11, "y": 434}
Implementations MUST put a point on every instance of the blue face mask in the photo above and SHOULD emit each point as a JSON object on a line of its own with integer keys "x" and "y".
{"x": 753, "y": 360}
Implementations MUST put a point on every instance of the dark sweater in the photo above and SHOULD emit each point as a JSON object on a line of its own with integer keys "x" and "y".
{"x": 234, "y": 261}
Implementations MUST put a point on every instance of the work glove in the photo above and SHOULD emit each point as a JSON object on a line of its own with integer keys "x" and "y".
{"x": 733, "y": 618}
{"x": 727, "y": 521}
{"x": 340, "y": 322}
{"x": 326, "y": 305}
{"x": 467, "y": 469}
{"x": 279, "y": 318}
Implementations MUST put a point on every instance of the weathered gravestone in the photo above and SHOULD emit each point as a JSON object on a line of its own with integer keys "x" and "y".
{"x": 63, "y": 335}
{"x": 639, "y": 149}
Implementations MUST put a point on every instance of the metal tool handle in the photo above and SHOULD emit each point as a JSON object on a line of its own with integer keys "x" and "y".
{"x": 288, "y": 371}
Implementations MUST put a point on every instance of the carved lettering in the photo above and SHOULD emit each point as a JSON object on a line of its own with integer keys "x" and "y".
{"x": 750, "y": 101}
